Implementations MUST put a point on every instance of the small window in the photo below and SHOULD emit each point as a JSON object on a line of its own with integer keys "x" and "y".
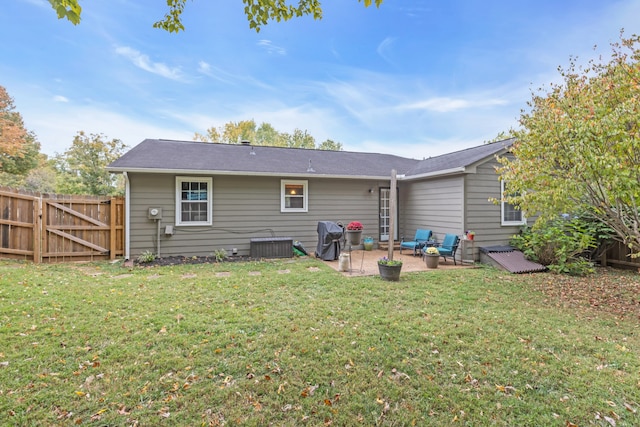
{"x": 193, "y": 200}
{"x": 511, "y": 215}
{"x": 293, "y": 196}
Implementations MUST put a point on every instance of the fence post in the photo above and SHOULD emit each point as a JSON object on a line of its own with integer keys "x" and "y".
{"x": 112, "y": 229}
{"x": 37, "y": 230}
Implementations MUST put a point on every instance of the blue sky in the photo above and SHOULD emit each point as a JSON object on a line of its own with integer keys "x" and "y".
{"x": 415, "y": 78}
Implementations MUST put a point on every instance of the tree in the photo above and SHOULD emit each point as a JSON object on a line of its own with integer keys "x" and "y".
{"x": 259, "y": 12}
{"x": 265, "y": 134}
{"x": 15, "y": 141}
{"x": 330, "y": 144}
{"x": 579, "y": 146}
{"x": 299, "y": 139}
{"x": 81, "y": 169}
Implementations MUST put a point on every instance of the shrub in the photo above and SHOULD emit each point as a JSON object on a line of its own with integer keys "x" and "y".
{"x": 564, "y": 245}
{"x": 220, "y": 254}
{"x": 146, "y": 257}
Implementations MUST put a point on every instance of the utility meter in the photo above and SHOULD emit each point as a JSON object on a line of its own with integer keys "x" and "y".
{"x": 155, "y": 213}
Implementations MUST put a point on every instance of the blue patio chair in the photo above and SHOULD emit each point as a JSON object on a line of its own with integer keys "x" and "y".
{"x": 420, "y": 239}
{"x": 449, "y": 247}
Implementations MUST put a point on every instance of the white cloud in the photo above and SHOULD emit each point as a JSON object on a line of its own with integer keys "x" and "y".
{"x": 445, "y": 104}
{"x": 384, "y": 48}
{"x": 143, "y": 61}
{"x": 271, "y": 48}
{"x": 204, "y": 68}
{"x": 60, "y": 98}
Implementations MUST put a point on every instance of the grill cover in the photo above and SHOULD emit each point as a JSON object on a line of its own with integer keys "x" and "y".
{"x": 329, "y": 235}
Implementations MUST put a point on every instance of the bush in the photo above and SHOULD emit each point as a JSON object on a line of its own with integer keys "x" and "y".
{"x": 564, "y": 245}
{"x": 146, "y": 257}
{"x": 220, "y": 254}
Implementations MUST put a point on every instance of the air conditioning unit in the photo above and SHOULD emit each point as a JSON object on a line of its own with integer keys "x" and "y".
{"x": 155, "y": 213}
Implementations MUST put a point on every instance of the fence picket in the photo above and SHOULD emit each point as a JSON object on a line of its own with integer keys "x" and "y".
{"x": 55, "y": 227}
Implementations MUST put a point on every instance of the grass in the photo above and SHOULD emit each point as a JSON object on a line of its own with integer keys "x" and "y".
{"x": 296, "y": 343}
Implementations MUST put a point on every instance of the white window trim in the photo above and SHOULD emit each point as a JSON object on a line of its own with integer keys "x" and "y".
{"x": 305, "y": 185}
{"x": 179, "y": 181}
{"x": 503, "y": 206}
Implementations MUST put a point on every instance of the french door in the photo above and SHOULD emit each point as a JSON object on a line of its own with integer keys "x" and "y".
{"x": 385, "y": 215}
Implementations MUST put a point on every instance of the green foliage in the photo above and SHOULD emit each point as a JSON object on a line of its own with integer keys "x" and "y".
{"x": 330, "y": 144}
{"x": 146, "y": 257}
{"x": 25, "y": 160}
{"x": 265, "y": 134}
{"x": 81, "y": 169}
{"x": 69, "y": 9}
{"x": 579, "y": 146}
{"x": 563, "y": 245}
{"x": 259, "y": 12}
{"x": 220, "y": 254}
{"x": 390, "y": 262}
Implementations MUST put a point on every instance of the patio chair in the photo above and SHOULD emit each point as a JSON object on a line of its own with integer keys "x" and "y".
{"x": 449, "y": 247}
{"x": 421, "y": 238}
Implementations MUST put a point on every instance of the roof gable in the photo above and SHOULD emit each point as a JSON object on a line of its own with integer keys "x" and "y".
{"x": 459, "y": 159}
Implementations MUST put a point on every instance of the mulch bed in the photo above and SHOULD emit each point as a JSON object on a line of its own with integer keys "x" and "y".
{"x": 179, "y": 260}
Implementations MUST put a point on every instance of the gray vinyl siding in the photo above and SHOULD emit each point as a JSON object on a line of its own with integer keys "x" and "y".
{"x": 245, "y": 207}
{"x": 436, "y": 204}
{"x": 482, "y": 215}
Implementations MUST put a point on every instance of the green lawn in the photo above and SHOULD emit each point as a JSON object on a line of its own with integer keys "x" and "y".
{"x": 296, "y": 343}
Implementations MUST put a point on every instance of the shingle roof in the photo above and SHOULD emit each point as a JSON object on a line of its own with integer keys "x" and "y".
{"x": 459, "y": 159}
{"x": 161, "y": 155}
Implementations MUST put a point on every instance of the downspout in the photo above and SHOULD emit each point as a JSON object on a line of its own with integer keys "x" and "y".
{"x": 127, "y": 211}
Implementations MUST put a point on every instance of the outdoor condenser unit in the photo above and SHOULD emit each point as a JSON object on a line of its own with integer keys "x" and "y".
{"x": 272, "y": 247}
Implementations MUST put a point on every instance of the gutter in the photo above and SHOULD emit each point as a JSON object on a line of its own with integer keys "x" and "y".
{"x": 127, "y": 214}
{"x": 247, "y": 173}
{"x": 452, "y": 171}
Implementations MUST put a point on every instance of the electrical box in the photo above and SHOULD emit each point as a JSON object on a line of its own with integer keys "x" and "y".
{"x": 155, "y": 213}
{"x": 168, "y": 230}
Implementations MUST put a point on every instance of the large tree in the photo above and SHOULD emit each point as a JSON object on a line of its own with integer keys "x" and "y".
{"x": 15, "y": 141}
{"x": 81, "y": 169}
{"x": 579, "y": 145}
{"x": 259, "y": 12}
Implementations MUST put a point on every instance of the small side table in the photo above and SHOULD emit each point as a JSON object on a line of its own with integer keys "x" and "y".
{"x": 465, "y": 245}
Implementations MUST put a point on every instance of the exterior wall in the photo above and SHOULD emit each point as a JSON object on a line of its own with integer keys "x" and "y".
{"x": 455, "y": 204}
{"x": 482, "y": 215}
{"x": 436, "y": 204}
{"x": 245, "y": 207}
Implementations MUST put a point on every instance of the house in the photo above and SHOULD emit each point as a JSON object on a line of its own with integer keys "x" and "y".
{"x": 192, "y": 198}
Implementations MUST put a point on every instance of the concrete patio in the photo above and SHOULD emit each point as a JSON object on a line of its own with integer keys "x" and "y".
{"x": 365, "y": 263}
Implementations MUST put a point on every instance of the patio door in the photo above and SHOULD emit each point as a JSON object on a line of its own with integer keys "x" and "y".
{"x": 385, "y": 213}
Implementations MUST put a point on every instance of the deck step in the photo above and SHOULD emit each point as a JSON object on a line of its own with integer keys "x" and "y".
{"x": 385, "y": 246}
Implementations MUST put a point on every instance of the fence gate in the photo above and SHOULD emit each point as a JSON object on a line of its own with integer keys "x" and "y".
{"x": 56, "y": 228}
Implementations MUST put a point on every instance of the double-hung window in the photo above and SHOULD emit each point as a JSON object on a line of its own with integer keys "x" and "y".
{"x": 294, "y": 195}
{"x": 193, "y": 200}
{"x": 511, "y": 215}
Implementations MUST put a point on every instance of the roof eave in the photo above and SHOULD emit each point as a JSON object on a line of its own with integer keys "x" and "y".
{"x": 244, "y": 173}
{"x": 435, "y": 174}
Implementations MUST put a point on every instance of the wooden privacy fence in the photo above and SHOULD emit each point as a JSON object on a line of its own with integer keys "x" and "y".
{"x": 58, "y": 228}
{"x": 617, "y": 255}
